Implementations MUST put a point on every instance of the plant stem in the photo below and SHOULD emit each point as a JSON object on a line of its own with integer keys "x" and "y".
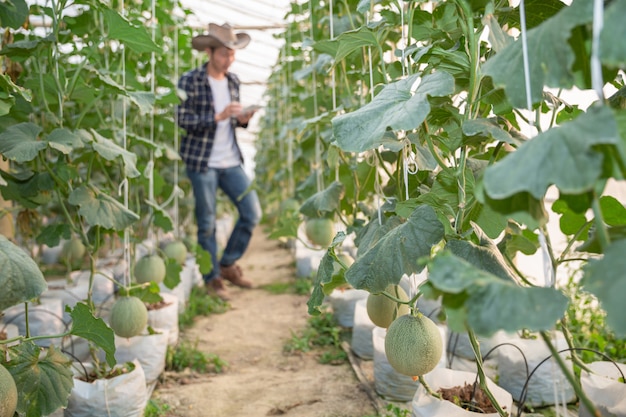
{"x": 481, "y": 373}
{"x": 428, "y": 389}
{"x": 569, "y": 375}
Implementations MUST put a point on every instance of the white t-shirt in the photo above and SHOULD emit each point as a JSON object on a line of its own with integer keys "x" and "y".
{"x": 224, "y": 153}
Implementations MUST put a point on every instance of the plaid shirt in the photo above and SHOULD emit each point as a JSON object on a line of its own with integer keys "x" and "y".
{"x": 196, "y": 114}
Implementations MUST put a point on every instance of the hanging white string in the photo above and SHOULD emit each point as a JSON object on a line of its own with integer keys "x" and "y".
{"x": 318, "y": 152}
{"x": 124, "y": 184}
{"x": 152, "y": 90}
{"x": 177, "y": 232}
{"x": 404, "y": 40}
{"x": 596, "y": 66}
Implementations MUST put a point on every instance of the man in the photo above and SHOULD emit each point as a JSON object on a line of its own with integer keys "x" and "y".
{"x": 209, "y": 114}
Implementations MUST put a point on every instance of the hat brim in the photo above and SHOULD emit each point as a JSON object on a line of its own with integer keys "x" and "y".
{"x": 202, "y": 42}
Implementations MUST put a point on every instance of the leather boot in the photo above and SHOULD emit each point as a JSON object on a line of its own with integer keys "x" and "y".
{"x": 217, "y": 287}
{"x": 234, "y": 274}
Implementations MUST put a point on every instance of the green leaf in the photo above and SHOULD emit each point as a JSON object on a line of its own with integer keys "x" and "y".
{"x": 490, "y": 303}
{"x": 20, "y": 280}
{"x": 399, "y": 106}
{"x": 65, "y": 140}
{"x": 134, "y": 37}
{"x": 604, "y": 278}
{"x": 488, "y": 128}
{"x": 143, "y": 99}
{"x": 367, "y": 237}
{"x": 44, "y": 382}
{"x": 563, "y": 156}
{"x": 323, "y": 277}
{"x": 203, "y": 259}
{"x": 612, "y": 49}
{"x": 27, "y": 49}
{"x": 85, "y": 325}
{"x": 19, "y": 142}
{"x": 13, "y": 13}
{"x": 324, "y": 202}
{"x": 99, "y": 209}
{"x": 485, "y": 255}
{"x": 397, "y": 252}
{"x": 172, "y": 273}
{"x": 613, "y": 212}
{"x": 347, "y": 43}
{"x": 286, "y": 225}
{"x": 550, "y": 56}
{"x": 110, "y": 151}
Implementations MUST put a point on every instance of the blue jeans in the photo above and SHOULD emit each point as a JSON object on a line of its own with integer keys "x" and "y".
{"x": 234, "y": 182}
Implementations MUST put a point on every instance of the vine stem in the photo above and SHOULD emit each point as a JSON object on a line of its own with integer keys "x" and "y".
{"x": 481, "y": 373}
{"x": 569, "y": 375}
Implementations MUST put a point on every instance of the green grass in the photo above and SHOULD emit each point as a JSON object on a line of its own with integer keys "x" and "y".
{"x": 323, "y": 335}
{"x": 156, "y": 408}
{"x": 300, "y": 286}
{"x": 186, "y": 356}
{"x": 200, "y": 304}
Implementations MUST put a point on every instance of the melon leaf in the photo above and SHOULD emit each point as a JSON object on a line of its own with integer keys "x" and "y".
{"x": 87, "y": 326}
{"x": 21, "y": 280}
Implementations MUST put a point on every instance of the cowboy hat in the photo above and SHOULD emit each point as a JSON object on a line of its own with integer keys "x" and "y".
{"x": 220, "y": 36}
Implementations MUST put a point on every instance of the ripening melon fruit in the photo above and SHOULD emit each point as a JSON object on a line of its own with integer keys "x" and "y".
{"x": 320, "y": 231}
{"x": 382, "y": 310}
{"x": 150, "y": 268}
{"x": 73, "y": 251}
{"x": 8, "y": 393}
{"x": 413, "y": 345}
{"x": 176, "y": 250}
{"x": 129, "y": 316}
{"x": 289, "y": 204}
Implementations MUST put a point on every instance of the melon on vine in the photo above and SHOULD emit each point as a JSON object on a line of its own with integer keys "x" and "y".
{"x": 382, "y": 310}
{"x": 320, "y": 231}
{"x": 8, "y": 393}
{"x": 150, "y": 268}
{"x": 176, "y": 250}
{"x": 413, "y": 345}
{"x": 129, "y": 316}
{"x": 73, "y": 251}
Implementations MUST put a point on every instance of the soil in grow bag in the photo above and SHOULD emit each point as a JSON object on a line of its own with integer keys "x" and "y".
{"x": 469, "y": 397}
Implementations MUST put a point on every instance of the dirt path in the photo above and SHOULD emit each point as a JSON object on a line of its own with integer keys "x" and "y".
{"x": 260, "y": 380}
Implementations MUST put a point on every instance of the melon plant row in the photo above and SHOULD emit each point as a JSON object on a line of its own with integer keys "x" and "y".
{"x": 87, "y": 157}
{"x": 444, "y": 135}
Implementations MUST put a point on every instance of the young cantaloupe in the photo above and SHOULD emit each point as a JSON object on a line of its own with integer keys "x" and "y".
{"x": 382, "y": 310}
{"x": 8, "y": 393}
{"x": 413, "y": 345}
{"x": 73, "y": 251}
{"x": 150, "y": 268}
{"x": 129, "y": 316}
{"x": 176, "y": 250}
{"x": 320, "y": 231}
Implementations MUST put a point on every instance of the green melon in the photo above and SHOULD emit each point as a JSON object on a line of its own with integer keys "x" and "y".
{"x": 8, "y": 393}
{"x": 320, "y": 231}
{"x": 150, "y": 268}
{"x": 129, "y": 316}
{"x": 176, "y": 250}
{"x": 382, "y": 310}
{"x": 73, "y": 251}
{"x": 289, "y": 204}
{"x": 413, "y": 345}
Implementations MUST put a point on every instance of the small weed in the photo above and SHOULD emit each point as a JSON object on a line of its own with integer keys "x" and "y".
{"x": 321, "y": 332}
{"x": 301, "y": 286}
{"x": 200, "y": 304}
{"x": 186, "y": 355}
{"x": 156, "y": 408}
{"x": 395, "y": 411}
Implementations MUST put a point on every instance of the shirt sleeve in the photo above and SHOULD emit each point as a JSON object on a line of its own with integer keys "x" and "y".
{"x": 194, "y": 112}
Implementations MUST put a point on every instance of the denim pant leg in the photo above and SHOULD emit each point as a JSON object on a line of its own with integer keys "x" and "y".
{"x": 234, "y": 182}
{"x": 204, "y": 185}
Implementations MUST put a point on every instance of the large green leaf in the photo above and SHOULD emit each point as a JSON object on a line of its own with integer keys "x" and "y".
{"x": 323, "y": 277}
{"x": 490, "y": 303}
{"x": 485, "y": 255}
{"x": 397, "y": 253}
{"x": 99, "y": 209}
{"x": 45, "y": 382}
{"x": 19, "y": 142}
{"x": 110, "y": 151}
{"x": 85, "y": 325}
{"x": 20, "y": 280}
{"x": 65, "y": 140}
{"x": 550, "y": 56}
{"x": 399, "y": 106}
{"x": 563, "y": 156}
{"x": 488, "y": 128}
{"x": 605, "y": 279}
{"x": 612, "y": 46}
{"x": 348, "y": 42}
{"x": 323, "y": 202}
{"x": 13, "y": 13}
{"x": 134, "y": 37}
